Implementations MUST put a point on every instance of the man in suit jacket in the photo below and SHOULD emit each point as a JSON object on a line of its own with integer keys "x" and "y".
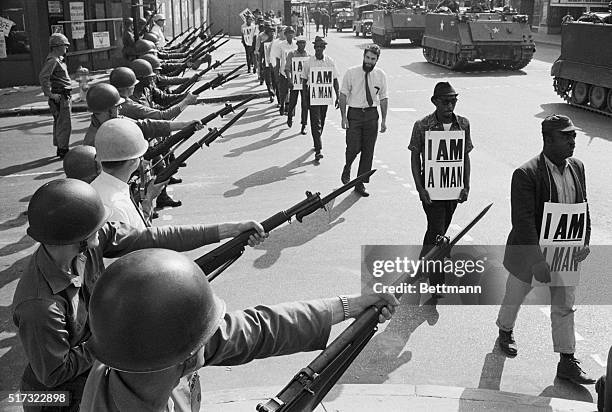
{"x": 552, "y": 176}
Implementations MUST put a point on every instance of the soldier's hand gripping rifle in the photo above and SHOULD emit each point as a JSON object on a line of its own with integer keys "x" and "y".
{"x": 195, "y": 78}
{"x": 312, "y": 383}
{"x": 165, "y": 147}
{"x": 167, "y": 172}
{"x": 217, "y": 260}
{"x": 219, "y": 80}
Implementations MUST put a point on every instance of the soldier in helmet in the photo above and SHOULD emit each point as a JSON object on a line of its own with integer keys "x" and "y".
{"x": 146, "y": 92}
{"x": 163, "y": 81}
{"x": 55, "y": 84}
{"x": 68, "y": 218}
{"x": 80, "y": 163}
{"x": 142, "y": 350}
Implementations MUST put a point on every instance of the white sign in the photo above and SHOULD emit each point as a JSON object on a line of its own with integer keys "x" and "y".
{"x": 245, "y": 13}
{"x": 2, "y": 47}
{"x": 57, "y": 28}
{"x": 248, "y": 34}
{"x": 267, "y": 47}
{"x": 297, "y": 66}
{"x": 77, "y": 12}
{"x": 101, "y": 39}
{"x": 54, "y": 6}
{"x": 5, "y": 26}
{"x": 321, "y": 86}
{"x": 561, "y": 236}
{"x": 444, "y": 152}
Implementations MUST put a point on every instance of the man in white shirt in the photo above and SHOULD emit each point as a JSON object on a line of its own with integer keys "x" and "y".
{"x": 364, "y": 88}
{"x": 158, "y": 28}
{"x": 120, "y": 145}
{"x": 275, "y": 53}
{"x": 249, "y": 31}
{"x": 319, "y": 112}
{"x": 285, "y": 48}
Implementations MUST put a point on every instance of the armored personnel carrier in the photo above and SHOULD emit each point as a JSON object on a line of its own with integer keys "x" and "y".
{"x": 392, "y": 24}
{"x": 583, "y": 72}
{"x": 453, "y": 40}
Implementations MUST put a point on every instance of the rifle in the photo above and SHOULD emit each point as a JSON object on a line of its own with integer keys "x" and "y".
{"x": 190, "y": 31}
{"x": 185, "y": 133}
{"x": 311, "y": 384}
{"x": 205, "y": 45}
{"x": 217, "y": 260}
{"x": 143, "y": 29}
{"x": 197, "y": 76}
{"x": 209, "y": 49}
{"x": 210, "y": 137}
{"x": 219, "y": 80}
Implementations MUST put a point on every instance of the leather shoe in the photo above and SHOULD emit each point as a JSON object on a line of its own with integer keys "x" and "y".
{"x": 361, "y": 191}
{"x": 318, "y": 155}
{"x": 303, "y": 131}
{"x": 61, "y": 153}
{"x": 569, "y": 368}
{"x": 507, "y": 343}
{"x": 289, "y": 121}
{"x": 167, "y": 201}
{"x": 346, "y": 175}
{"x": 175, "y": 180}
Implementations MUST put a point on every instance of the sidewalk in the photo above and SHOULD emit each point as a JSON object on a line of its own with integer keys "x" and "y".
{"x": 29, "y": 100}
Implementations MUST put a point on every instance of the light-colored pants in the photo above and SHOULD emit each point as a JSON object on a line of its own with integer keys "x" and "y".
{"x": 62, "y": 125}
{"x": 561, "y": 312}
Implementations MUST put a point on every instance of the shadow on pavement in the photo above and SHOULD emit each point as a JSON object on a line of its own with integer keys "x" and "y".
{"x": 492, "y": 369}
{"x": 20, "y": 220}
{"x": 476, "y": 69}
{"x": 28, "y": 165}
{"x": 261, "y": 144}
{"x": 26, "y": 127}
{"x": 269, "y": 175}
{"x": 248, "y": 132}
{"x": 24, "y": 243}
{"x": 564, "y": 389}
{"x": 594, "y": 125}
{"x": 298, "y": 234}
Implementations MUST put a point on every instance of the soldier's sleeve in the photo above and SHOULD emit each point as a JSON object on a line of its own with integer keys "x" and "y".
{"x": 45, "y": 76}
{"x": 165, "y": 99}
{"x": 117, "y": 239}
{"x": 265, "y": 331}
{"x": 153, "y": 128}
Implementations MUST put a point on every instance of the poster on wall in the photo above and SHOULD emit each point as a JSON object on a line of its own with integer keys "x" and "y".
{"x": 55, "y": 7}
{"x": 57, "y": 28}
{"x": 77, "y": 12}
{"x": 101, "y": 39}
{"x": 2, "y": 47}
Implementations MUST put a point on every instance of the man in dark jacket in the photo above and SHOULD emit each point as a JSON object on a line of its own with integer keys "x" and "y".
{"x": 556, "y": 177}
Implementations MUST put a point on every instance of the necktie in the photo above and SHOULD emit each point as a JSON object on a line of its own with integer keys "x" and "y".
{"x": 368, "y": 94}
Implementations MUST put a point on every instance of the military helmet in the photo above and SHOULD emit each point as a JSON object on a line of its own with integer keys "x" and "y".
{"x": 80, "y": 163}
{"x": 159, "y": 17}
{"x": 120, "y": 139}
{"x": 142, "y": 69}
{"x": 153, "y": 60}
{"x": 58, "y": 39}
{"x": 151, "y": 37}
{"x": 65, "y": 212}
{"x": 143, "y": 46}
{"x": 123, "y": 77}
{"x": 147, "y": 294}
{"x": 102, "y": 97}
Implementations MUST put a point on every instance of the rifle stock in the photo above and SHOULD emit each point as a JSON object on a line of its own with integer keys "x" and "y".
{"x": 217, "y": 260}
{"x": 210, "y": 137}
{"x": 311, "y": 384}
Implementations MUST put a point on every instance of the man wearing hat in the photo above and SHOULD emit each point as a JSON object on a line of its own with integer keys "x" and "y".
{"x": 248, "y": 30}
{"x": 319, "y": 112}
{"x": 285, "y": 47}
{"x": 364, "y": 88}
{"x": 439, "y": 212}
{"x": 275, "y": 53}
{"x": 55, "y": 84}
{"x": 293, "y": 95}
{"x": 158, "y": 29}
{"x": 553, "y": 176}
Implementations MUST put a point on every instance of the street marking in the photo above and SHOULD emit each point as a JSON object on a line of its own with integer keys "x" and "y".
{"x": 402, "y": 109}
{"x": 32, "y": 174}
{"x": 599, "y": 361}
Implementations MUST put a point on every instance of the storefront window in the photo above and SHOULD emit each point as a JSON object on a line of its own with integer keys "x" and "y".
{"x": 13, "y": 23}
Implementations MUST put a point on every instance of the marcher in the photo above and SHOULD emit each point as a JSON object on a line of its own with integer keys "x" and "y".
{"x": 55, "y": 84}
{"x": 364, "y": 88}
{"x": 248, "y": 30}
{"x": 286, "y": 46}
{"x": 159, "y": 21}
{"x": 553, "y": 176}
{"x": 293, "y": 95}
{"x": 80, "y": 163}
{"x": 318, "y": 112}
{"x": 50, "y": 309}
{"x": 439, "y": 212}
{"x": 267, "y": 63}
{"x": 144, "y": 349}
{"x": 325, "y": 19}
{"x": 120, "y": 146}
{"x": 275, "y": 54}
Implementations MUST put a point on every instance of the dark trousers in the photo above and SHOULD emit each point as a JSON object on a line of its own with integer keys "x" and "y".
{"x": 439, "y": 215}
{"x": 317, "y": 123}
{"x": 293, "y": 96}
{"x": 283, "y": 90}
{"x": 276, "y": 83}
{"x": 250, "y": 56}
{"x": 268, "y": 79}
{"x": 361, "y": 138}
{"x": 62, "y": 125}
{"x": 325, "y": 29}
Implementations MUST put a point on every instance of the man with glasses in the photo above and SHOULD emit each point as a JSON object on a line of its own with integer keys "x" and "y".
{"x": 553, "y": 176}
{"x": 319, "y": 112}
{"x": 439, "y": 212}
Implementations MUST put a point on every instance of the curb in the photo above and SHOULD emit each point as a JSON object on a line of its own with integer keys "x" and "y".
{"x": 81, "y": 108}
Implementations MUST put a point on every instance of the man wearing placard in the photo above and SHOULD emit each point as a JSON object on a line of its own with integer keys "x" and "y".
{"x": 319, "y": 77}
{"x": 293, "y": 72}
{"x": 275, "y": 53}
{"x": 286, "y": 46}
{"x": 549, "y": 204}
{"x": 440, "y": 163}
{"x": 248, "y": 30}
{"x": 364, "y": 88}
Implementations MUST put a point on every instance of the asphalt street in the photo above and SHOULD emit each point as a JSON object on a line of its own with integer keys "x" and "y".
{"x": 261, "y": 167}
